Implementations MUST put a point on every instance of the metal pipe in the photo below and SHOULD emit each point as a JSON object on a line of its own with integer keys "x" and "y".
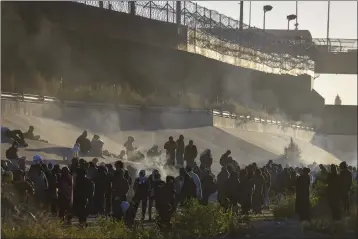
{"x": 288, "y": 24}
{"x": 264, "y": 27}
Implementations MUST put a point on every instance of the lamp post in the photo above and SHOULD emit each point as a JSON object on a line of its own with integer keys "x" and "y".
{"x": 290, "y": 18}
{"x": 296, "y": 24}
{"x": 267, "y": 8}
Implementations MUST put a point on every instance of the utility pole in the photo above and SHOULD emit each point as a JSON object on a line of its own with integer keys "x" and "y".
{"x": 328, "y": 20}
{"x": 241, "y": 15}
{"x": 250, "y": 14}
{"x": 296, "y": 25}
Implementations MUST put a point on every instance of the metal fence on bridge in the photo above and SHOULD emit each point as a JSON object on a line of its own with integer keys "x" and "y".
{"x": 211, "y": 30}
{"x": 336, "y": 45}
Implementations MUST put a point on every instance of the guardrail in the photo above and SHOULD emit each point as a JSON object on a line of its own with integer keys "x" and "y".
{"x": 225, "y": 114}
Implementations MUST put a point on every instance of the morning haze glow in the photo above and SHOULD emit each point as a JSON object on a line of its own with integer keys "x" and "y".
{"x": 312, "y": 16}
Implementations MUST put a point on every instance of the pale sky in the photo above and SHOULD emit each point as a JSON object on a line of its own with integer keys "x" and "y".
{"x": 312, "y": 16}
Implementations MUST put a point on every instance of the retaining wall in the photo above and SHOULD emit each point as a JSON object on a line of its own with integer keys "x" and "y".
{"x": 103, "y": 116}
{"x": 261, "y": 127}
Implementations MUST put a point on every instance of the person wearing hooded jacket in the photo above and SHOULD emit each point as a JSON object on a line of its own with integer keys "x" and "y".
{"x": 101, "y": 183}
{"x": 222, "y": 177}
{"x": 188, "y": 189}
{"x": 232, "y": 191}
{"x": 190, "y": 153}
{"x": 39, "y": 179}
{"x": 84, "y": 143}
{"x": 141, "y": 190}
{"x": 345, "y": 178}
{"x": 83, "y": 191}
{"x": 206, "y": 159}
{"x": 170, "y": 147}
{"x": 224, "y": 159}
{"x": 208, "y": 185}
{"x": 120, "y": 188}
{"x": 65, "y": 194}
{"x": 180, "y": 150}
{"x": 154, "y": 180}
{"x": 165, "y": 201}
{"x": 197, "y": 182}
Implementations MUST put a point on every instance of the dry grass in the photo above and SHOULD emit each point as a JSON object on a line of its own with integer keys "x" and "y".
{"x": 186, "y": 224}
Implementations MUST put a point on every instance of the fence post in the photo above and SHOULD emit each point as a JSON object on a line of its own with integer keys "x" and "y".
{"x": 211, "y": 20}
{"x": 221, "y": 29}
{"x": 150, "y": 9}
{"x": 196, "y": 11}
{"x": 184, "y": 12}
{"x": 132, "y": 8}
{"x": 167, "y": 11}
{"x": 178, "y": 12}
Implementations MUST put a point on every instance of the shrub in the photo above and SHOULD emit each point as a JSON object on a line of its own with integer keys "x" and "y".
{"x": 348, "y": 225}
{"x": 193, "y": 221}
{"x": 284, "y": 207}
{"x": 196, "y": 220}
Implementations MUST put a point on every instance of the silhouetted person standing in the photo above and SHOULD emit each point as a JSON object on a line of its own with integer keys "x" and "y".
{"x": 345, "y": 178}
{"x": 303, "y": 206}
{"x": 180, "y": 150}
{"x": 333, "y": 193}
{"x": 190, "y": 154}
{"x": 170, "y": 147}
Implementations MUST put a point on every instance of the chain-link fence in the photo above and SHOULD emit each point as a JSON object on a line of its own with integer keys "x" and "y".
{"x": 215, "y": 33}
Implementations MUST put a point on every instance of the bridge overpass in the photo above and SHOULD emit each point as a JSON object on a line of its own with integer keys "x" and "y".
{"x": 331, "y": 56}
{"x": 335, "y": 56}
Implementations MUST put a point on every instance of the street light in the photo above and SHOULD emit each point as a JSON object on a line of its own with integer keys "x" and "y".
{"x": 267, "y": 8}
{"x": 290, "y": 18}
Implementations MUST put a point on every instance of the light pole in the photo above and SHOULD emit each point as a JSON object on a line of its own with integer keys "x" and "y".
{"x": 250, "y": 15}
{"x": 290, "y": 18}
{"x": 267, "y": 8}
{"x": 296, "y": 24}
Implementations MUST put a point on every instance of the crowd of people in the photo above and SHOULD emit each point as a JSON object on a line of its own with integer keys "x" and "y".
{"x": 86, "y": 188}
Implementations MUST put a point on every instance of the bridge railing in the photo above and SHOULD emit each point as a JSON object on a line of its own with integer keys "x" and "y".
{"x": 215, "y": 112}
{"x": 336, "y": 45}
{"x": 217, "y": 32}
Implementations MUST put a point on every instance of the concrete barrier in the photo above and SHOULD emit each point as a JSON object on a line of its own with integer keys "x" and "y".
{"x": 262, "y": 127}
{"x": 127, "y": 118}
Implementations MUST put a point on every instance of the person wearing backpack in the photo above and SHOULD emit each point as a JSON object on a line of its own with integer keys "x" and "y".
{"x": 120, "y": 188}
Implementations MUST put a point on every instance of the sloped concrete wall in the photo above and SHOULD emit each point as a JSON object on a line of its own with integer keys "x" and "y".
{"x": 102, "y": 117}
{"x": 263, "y": 128}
